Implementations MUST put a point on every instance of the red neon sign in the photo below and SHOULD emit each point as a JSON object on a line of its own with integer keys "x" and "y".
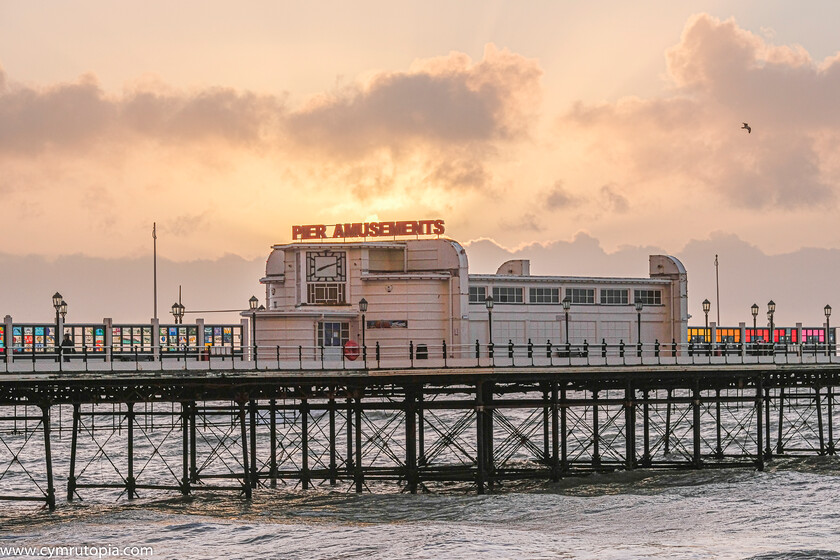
{"x": 369, "y": 229}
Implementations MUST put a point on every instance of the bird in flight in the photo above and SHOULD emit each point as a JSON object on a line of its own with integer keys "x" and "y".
{"x": 747, "y": 127}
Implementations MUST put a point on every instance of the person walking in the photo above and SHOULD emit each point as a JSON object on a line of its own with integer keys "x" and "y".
{"x": 67, "y": 346}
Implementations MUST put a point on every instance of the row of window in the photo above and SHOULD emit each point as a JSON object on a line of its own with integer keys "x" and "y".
{"x": 782, "y": 334}
{"x": 41, "y": 338}
{"x": 578, "y": 296}
{"x": 329, "y": 293}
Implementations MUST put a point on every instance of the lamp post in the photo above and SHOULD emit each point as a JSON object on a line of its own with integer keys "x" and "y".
{"x": 639, "y": 306}
{"x": 363, "y": 304}
{"x": 57, "y": 300}
{"x": 567, "y": 304}
{"x": 178, "y": 312}
{"x": 827, "y": 310}
{"x": 771, "y": 310}
{"x": 706, "y": 334}
{"x": 252, "y": 305}
{"x": 488, "y": 301}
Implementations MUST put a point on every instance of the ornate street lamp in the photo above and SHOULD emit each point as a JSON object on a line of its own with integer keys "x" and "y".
{"x": 827, "y": 310}
{"x": 707, "y": 305}
{"x": 178, "y": 312}
{"x": 57, "y": 300}
{"x": 252, "y": 305}
{"x": 488, "y": 302}
{"x": 639, "y": 306}
{"x": 754, "y": 310}
{"x": 771, "y": 310}
{"x": 567, "y": 303}
{"x": 363, "y": 305}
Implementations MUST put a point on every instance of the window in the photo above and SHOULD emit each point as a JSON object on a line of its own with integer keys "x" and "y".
{"x": 325, "y": 294}
{"x": 544, "y": 295}
{"x": 478, "y": 294}
{"x": 699, "y": 334}
{"x": 507, "y": 295}
{"x": 333, "y": 334}
{"x": 648, "y": 297}
{"x": 611, "y": 296}
{"x": 581, "y": 295}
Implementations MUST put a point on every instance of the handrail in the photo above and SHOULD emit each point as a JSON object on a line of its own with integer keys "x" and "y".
{"x": 422, "y": 354}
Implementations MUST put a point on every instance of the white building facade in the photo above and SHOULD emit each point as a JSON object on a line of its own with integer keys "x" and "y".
{"x": 419, "y": 293}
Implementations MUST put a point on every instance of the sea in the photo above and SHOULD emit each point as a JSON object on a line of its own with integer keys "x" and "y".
{"x": 791, "y": 509}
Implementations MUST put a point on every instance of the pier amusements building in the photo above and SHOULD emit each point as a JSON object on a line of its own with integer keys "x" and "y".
{"x": 411, "y": 286}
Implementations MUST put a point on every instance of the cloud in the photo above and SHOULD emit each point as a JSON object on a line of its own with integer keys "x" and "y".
{"x": 558, "y": 197}
{"x": 238, "y": 118}
{"x": 448, "y": 116}
{"x": 447, "y": 100}
{"x": 76, "y": 116}
{"x": 442, "y": 120}
{"x": 613, "y": 200}
{"x": 690, "y": 139}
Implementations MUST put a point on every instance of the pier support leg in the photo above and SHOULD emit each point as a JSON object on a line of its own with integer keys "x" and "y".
{"x": 252, "y": 409}
{"x": 130, "y": 481}
{"x": 410, "y": 439}
{"x": 596, "y": 432}
{"x": 349, "y": 425}
{"x": 695, "y": 404}
{"x": 273, "y": 429}
{"x": 246, "y": 478}
{"x": 71, "y": 478}
{"x": 359, "y": 474}
{"x": 564, "y": 432}
{"x": 555, "y": 434}
{"x": 489, "y": 463}
{"x": 768, "y": 447}
{"x": 331, "y": 412}
{"x": 668, "y": 423}
{"x": 820, "y": 430}
{"x": 780, "y": 446}
{"x": 304, "y": 444}
{"x": 193, "y": 444}
{"x": 645, "y": 429}
{"x": 185, "y": 448}
{"x": 629, "y": 427}
{"x": 421, "y": 430}
{"x": 830, "y": 405}
{"x": 481, "y": 440}
{"x": 546, "y": 418}
{"x": 719, "y": 441}
{"x": 759, "y": 406}
{"x": 45, "y": 424}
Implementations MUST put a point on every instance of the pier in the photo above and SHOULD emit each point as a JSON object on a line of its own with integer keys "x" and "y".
{"x": 189, "y": 425}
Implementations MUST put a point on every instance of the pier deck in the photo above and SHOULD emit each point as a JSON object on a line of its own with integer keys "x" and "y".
{"x": 243, "y": 429}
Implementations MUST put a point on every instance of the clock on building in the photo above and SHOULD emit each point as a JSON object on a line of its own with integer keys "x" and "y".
{"x": 325, "y": 266}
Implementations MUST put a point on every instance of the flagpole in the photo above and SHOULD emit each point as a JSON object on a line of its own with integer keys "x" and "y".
{"x": 717, "y": 289}
{"x": 154, "y": 237}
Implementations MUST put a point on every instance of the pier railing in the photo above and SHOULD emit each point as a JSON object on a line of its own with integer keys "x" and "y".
{"x": 413, "y": 355}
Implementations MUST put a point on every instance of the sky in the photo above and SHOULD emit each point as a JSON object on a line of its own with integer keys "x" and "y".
{"x": 583, "y": 135}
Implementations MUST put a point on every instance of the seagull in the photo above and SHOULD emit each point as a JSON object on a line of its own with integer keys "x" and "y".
{"x": 747, "y": 127}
